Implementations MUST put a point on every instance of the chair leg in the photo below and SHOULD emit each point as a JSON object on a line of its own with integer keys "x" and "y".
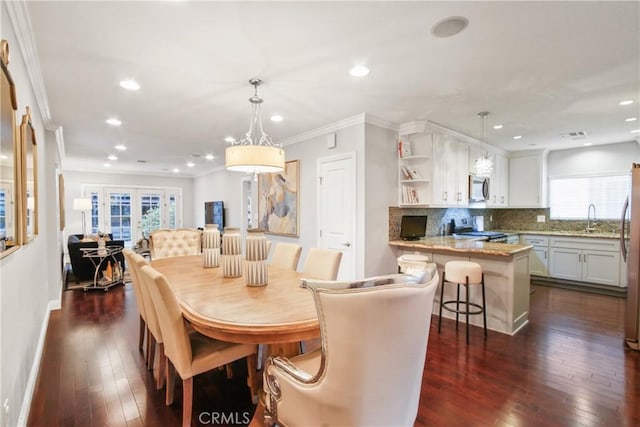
{"x": 467, "y": 302}
{"x": 484, "y": 307}
{"x": 171, "y": 383}
{"x": 151, "y": 352}
{"x": 441, "y": 302}
{"x": 252, "y": 376}
{"x": 187, "y": 401}
{"x": 457, "y": 304}
{"x": 229, "y": 370}
{"x": 162, "y": 361}
{"x": 143, "y": 328}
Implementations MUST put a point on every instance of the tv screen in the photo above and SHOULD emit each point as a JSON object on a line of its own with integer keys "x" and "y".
{"x": 214, "y": 213}
{"x": 413, "y": 227}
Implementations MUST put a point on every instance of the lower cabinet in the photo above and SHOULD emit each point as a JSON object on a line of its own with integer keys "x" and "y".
{"x": 539, "y": 257}
{"x": 585, "y": 260}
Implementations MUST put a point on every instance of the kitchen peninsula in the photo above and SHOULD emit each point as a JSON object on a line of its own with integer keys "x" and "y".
{"x": 506, "y": 275}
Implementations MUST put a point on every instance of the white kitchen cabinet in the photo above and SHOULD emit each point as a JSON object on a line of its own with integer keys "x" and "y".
{"x": 588, "y": 260}
{"x": 499, "y": 182}
{"x": 539, "y": 256}
{"x": 526, "y": 182}
{"x": 450, "y": 181}
{"x": 414, "y": 168}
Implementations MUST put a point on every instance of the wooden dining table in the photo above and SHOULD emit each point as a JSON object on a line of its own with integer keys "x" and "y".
{"x": 227, "y": 309}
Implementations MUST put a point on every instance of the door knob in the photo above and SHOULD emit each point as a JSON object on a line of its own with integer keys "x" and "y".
{"x": 347, "y": 244}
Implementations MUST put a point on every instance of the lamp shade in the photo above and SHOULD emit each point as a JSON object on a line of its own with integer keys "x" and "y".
{"x": 254, "y": 158}
{"x": 81, "y": 204}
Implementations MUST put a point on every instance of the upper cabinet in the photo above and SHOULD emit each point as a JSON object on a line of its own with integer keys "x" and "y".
{"x": 499, "y": 182}
{"x": 526, "y": 182}
{"x": 450, "y": 171}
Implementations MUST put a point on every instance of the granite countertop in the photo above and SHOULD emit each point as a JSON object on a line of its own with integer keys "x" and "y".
{"x": 565, "y": 233}
{"x": 468, "y": 245}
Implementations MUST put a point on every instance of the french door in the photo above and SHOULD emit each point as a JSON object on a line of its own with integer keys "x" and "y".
{"x": 130, "y": 214}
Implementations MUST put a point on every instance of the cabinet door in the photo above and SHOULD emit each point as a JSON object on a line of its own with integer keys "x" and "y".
{"x": 462, "y": 176}
{"x": 440, "y": 195}
{"x": 565, "y": 263}
{"x": 539, "y": 261}
{"x": 502, "y": 168}
{"x": 601, "y": 267}
{"x": 525, "y": 178}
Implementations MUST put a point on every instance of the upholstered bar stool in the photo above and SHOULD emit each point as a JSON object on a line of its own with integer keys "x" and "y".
{"x": 412, "y": 262}
{"x": 467, "y": 274}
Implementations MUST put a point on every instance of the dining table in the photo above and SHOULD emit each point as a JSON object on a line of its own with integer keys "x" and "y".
{"x": 279, "y": 314}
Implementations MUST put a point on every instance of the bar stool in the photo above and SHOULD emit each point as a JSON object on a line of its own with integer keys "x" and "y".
{"x": 412, "y": 262}
{"x": 467, "y": 274}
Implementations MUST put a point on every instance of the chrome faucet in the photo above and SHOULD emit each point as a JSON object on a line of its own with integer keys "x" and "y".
{"x": 591, "y": 222}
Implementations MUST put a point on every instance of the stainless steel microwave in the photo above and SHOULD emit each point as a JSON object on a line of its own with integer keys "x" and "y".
{"x": 478, "y": 188}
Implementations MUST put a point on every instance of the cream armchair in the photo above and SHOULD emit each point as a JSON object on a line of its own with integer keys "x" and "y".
{"x": 167, "y": 243}
{"x": 368, "y": 371}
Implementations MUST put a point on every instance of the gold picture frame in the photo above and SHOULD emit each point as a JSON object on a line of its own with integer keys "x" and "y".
{"x": 279, "y": 201}
{"x": 29, "y": 193}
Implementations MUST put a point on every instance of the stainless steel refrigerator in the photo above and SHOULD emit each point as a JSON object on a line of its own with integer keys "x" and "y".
{"x": 630, "y": 248}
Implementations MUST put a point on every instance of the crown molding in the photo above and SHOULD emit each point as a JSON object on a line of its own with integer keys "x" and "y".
{"x": 21, "y": 21}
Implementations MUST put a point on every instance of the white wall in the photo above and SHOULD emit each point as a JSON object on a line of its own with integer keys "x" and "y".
{"x": 593, "y": 160}
{"x": 73, "y": 181}
{"x": 28, "y": 277}
{"x": 220, "y": 185}
{"x": 381, "y": 174}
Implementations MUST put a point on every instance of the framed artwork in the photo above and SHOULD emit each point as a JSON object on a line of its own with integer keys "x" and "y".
{"x": 278, "y": 200}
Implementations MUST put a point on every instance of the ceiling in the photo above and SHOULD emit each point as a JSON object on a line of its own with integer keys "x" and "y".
{"x": 541, "y": 69}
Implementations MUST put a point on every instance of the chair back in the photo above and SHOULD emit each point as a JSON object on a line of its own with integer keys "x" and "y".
{"x": 322, "y": 264}
{"x": 135, "y": 281}
{"x": 145, "y": 291}
{"x": 286, "y": 255}
{"x": 168, "y": 243}
{"x": 374, "y": 344}
{"x": 177, "y": 345}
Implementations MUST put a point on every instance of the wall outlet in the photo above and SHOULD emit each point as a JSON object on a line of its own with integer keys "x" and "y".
{"x": 5, "y": 413}
{"x": 541, "y": 218}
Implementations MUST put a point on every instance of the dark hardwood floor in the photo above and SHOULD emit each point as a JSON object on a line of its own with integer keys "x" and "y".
{"x": 567, "y": 367}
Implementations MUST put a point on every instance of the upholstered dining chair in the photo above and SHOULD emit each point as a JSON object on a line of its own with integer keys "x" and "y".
{"x": 286, "y": 255}
{"x": 322, "y": 264}
{"x": 135, "y": 281}
{"x": 154, "y": 334}
{"x": 165, "y": 243}
{"x": 368, "y": 371}
{"x": 189, "y": 353}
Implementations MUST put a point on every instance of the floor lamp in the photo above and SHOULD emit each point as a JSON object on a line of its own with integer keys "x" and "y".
{"x": 82, "y": 205}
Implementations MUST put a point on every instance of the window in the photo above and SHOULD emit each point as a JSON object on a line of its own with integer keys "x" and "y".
{"x": 95, "y": 220}
{"x": 569, "y": 197}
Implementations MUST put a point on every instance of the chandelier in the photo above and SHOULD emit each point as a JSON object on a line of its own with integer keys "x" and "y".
{"x": 255, "y": 152}
{"x": 483, "y": 165}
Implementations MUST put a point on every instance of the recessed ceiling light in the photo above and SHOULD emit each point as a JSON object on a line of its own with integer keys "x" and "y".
{"x": 517, "y": 137}
{"x": 635, "y": 131}
{"x": 531, "y": 145}
{"x": 120, "y": 147}
{"x": 107, "y": 165}
{"x": 587, "y": 144}
{"x": 209, "y": 157}
{"x": 449, "y": 26}
{"x": 276, "y": 118}
{"x": 230, "y": 139}
{"x": 497, "y": 126}
{"x": 113, "y": 121}
{"x": 130, "y": 84}
{"x": 176, "y": 170}
{"x": 4, "y": 156}
{"x": 630, "y": 119}
{"x": 190, "y": 164}
{"x": 359, "y": 71}
{"x": 112, "y": 157}
{"x": 626, "y": 102}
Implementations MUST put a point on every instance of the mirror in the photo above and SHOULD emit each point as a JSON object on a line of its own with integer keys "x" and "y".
{"x": 29, "y": 177}
{"x": 10, "y": 237}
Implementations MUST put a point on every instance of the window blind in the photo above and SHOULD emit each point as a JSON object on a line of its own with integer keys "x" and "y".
{"x": 569, "y": 197}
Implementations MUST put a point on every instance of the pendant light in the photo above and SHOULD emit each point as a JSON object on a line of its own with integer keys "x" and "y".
{"x": 483, "y": 165}
{"x": 255, "y": 152}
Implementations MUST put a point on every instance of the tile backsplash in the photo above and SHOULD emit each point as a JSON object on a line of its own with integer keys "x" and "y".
{"x": 494, "y": 219}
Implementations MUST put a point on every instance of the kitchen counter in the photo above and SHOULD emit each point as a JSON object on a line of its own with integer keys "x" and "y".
{"x": 565, "y": 234}
{"x": 461, "y": 245}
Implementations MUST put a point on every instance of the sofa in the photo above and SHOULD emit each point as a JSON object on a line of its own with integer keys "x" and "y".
{"x": 83, "y": 268}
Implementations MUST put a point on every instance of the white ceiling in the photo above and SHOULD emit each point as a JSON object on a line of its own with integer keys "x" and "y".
{"x": 541, "y": 68}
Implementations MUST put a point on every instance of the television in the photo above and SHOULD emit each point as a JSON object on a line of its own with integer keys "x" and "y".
{"x": 214, "y": 213}
{"x": 413, "y": 227}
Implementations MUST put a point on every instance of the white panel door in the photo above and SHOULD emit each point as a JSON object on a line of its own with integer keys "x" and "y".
{"x": 565, "y": 263}
{"x": 538, "y": 261}
{"x": 337, "y": 210}
{"x": 601, "y": 267}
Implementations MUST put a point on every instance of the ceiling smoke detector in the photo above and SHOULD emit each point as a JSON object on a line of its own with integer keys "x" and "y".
{"x": 575, "y": 135}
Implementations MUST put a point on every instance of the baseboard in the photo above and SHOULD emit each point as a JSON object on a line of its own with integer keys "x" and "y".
{"x": 35, "y": 367}
{"x": 613, "y": 291}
